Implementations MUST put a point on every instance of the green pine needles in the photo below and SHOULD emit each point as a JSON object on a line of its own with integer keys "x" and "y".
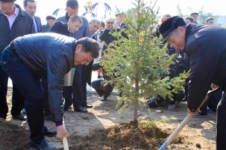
{"x": 136, "y": 64}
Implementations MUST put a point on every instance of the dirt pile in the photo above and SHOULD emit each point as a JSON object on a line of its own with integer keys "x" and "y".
{"x": 123, "y": 136}
{"x": 13, "y": 137}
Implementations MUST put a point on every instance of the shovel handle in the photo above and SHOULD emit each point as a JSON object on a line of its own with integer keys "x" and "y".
{"x": 65, "y": 143}
{"x": 184, "y": 122}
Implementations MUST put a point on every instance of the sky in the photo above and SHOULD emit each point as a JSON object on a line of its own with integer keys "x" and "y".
{"x": 46, "y": 7}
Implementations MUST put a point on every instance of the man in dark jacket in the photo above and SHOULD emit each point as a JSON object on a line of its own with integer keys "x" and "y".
{"x": 30, "y": 7}
{"x": 30, "y": 58}
{"x": 82, "y": 73}
{"x": 73, "y": 25}
{"x": 206, "y": 48}
{"x": 14, "y": 22}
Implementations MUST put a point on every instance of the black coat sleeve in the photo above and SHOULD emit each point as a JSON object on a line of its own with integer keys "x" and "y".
{"x": 96, "y": 66}
{"x": 203, "y": 63}
{"x": 57, "y": 67}
{"x": 56, "y": 28}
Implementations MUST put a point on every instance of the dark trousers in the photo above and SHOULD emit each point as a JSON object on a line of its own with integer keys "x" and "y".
{"x": 79, "y": 88}
{"x": 67, "y": 94}
{"x": 17, "y": 98}
{"x": 221, "y": 123}
{"x": 100, "y": 89}
{"x": 212, "y": 102}
{"x": 29, "y": 85}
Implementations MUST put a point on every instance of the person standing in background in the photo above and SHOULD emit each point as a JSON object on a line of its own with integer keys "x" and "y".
{"x": 209, "y": 21}
{"x": 82, "y": 73}
{"x": 195, "y": 16}
{"x": 14, "y": 22}
{"x": 189, "y": 20}
{"x": 50, "y": 21}
{"x": 30, "y": 7}
{"x": 96, "y": 36}
{"x": 119, "y": 21}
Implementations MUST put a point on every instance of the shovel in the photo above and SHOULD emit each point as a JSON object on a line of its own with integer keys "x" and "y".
{"x": 65, "y": 142}
{"x": 184, "y": 122}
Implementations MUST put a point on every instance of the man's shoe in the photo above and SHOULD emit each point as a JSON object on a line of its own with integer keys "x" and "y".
{"x": 152, "y": 103}
{"x": 49, "y": 132}
{"x": 3, "y": 117}
{"x": 24, "y": 111}
{"x": 198, "y": 115}
{"x": 66, "y": 108}
{"x": 20, "y": 117}
{"x": 172, "y": 107}
{"x": 43, "y": 145}
{"x": 103, "y": 98}
{"x": 80, "y": 109}
{"x": 87, "y": 106}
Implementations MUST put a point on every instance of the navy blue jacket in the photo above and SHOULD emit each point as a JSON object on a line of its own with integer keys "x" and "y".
{"x": 51, "y": 55}
{"x": 206, "y": 48}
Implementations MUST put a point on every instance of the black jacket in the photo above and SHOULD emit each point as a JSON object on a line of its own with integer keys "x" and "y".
{"x": 51, "y": 55}
{"x": 61, "y": 28}
{"x": 206, "y": 48}
{"x": 22, "y": 25}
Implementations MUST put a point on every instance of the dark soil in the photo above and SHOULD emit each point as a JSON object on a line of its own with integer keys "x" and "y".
{"x": 126, "y": 136}
{"x": 13, "y": 137}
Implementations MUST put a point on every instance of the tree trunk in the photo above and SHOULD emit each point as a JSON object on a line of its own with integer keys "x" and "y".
{"x": 136, "y": 101}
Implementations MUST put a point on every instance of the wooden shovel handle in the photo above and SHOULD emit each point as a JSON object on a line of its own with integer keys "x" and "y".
{"x": 184, "y": 122}
{"x": 65, "y": 143}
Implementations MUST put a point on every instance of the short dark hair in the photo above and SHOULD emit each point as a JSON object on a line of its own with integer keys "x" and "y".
{"x": 89, "y": 45}
{"x": 72, "y": 4}
{"x": 190, "y": 18}
{"x": 25, "y": 2}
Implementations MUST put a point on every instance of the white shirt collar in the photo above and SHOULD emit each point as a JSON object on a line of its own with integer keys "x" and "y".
{"x": 16, "y": 12}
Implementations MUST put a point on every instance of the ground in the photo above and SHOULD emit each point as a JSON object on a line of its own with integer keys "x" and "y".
{"x": 104, "y": 128}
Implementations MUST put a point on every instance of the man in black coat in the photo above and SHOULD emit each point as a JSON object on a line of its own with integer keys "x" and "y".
{"x": 14, "y": 22}
{"x": 206, "y": 48}
{"x": 73, "y": 25}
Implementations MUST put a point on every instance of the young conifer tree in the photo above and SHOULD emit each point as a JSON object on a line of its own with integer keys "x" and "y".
{"x": 137, "y": 65}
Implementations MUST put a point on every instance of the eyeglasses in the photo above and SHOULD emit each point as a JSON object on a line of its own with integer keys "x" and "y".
{"x": 110, "y": 22}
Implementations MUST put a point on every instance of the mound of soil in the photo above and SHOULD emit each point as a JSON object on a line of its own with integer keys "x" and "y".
{"x": 121, "y": 137}
{"x": 13, "y": 137}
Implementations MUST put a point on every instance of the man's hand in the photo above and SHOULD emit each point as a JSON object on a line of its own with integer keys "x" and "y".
{"x": 194, "y": 113}
{"x": 61, "y": 132}
{"x": 214, "y": 86}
